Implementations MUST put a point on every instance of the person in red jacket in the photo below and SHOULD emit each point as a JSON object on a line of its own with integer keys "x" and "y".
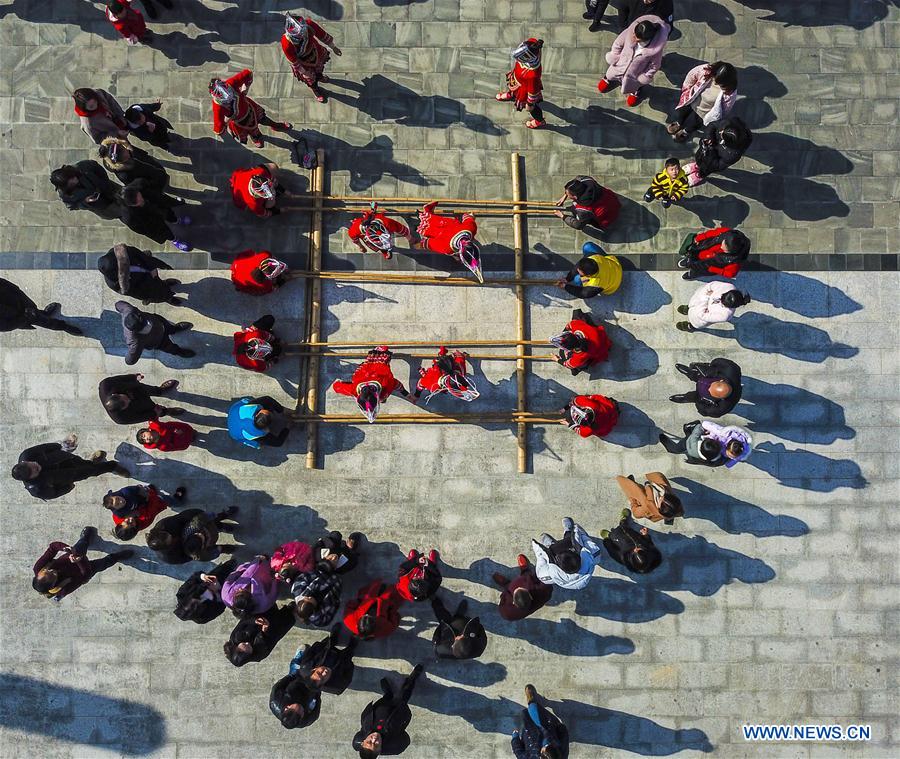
{"x": 127, "y": 21}
{"x": 142, "y": 516}
{"x": 257, "y": 273}
{"x": 447, "y": 374}
{"x": 62, "y": 568}
{"x": 374, "y": 231}
{"x": 719, "y": 251}
{"x": 255, "y": 189}
{"x": 592, "y": 203}
{"x": 582, "y": 343}
{"x": 303, "y": 44}
{"x": 374, "y": 612}
{"x": 373, "y": 383}
{"x": 419, "y": 576}
{"x": 523, "y": 83}
{"x": 166, "y": 436}
{"x": 256, "y": 347}
{"x": 232, "y": 107}
{"x": 591, "y": 415}
{"x": 450, "y": 237}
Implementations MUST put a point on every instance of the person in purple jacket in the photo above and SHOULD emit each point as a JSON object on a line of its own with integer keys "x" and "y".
{"x": 252, "y": 588}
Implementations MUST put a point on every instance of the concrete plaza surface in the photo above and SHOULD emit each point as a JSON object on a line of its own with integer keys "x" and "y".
{"x": 776, "y": 601}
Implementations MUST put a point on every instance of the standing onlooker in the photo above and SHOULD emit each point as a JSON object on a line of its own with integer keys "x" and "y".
{"x": 18, "y": 311}
{"x": 590, "y": 415}
{"x": 143, "y": 120}
{"x": 708, "y": 94}
{"x": 595, "y": 274}
{"x": 200, "y": 596}
{"x": 669, "y": 186}
{"x": 524, "y": 594}
{"x": 631, "y": 548}
{"x": 145, "y": 331}
{"x": 255, "y": 636}
{"x": 715, "y": 252}
{"x": 592, "y": 203}
{"x": 631, "y": 10}
{"x": 127, "y": 21}
{"x": 258, "y": 421}
{"x": 654, "y": 500}
{"x": 257, "y": 273}
{"x": 251, "y": 588}
{"x": 722, "y": 146}
{"x": 133, "y": 272}
{"x": 710, "y": 444}
{"x": 457, "y": 636}
{"x": 100, "y": 114}
{"x": 256, "y": 347}
{"x": 128, "y": 163}
{"x": 374, "y": 613}
{"x": 167, "y": 437}
{"x": 134, "y": 508}
{"x": 325, "y": 666}
{"x": 419, "y": 576}
{"x": 717, "y": 386}
{"x": 635, "y": 57}
{"x": 336, "y": 554}
{"x": 569, "y": 562}
{"x": 713, "y": 303}
{"x": 50, "y": 470}
{"x": 318, "y": 596}
{"x": 86, "y": 187}
{"x": 541, "y": 734}
{"x": 128, "y": 401}
{"x": 383, "y": 723}
{"x": 147, "y": 211}
{"x": 62, "y": 569}
{"x": 190, "y": 535}
{"x": 291, "y": 559}
{"x": 294, "y": 701}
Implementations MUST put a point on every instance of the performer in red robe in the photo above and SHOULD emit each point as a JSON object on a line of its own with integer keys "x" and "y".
{"x": 523, "y": 83}
{"x": 232, "y": 107}
{"x": 256, "y": 347}
{"x": 451, "y": 237}
{"x": 591, "y": 415}
{"x": 257, "y": 273}
{"x": 373, "y": 383}
{"x": 582, "y": 343}
{"x": 255, "y": 189}
{"x": 127, "y": 20}
{"x": 303, "y": 44}
{"x": 374, "y": 231}
{"x": 447, "y": 374}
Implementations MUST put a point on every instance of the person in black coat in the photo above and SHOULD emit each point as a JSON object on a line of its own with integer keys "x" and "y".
{"x": 128, "y": 401}
{"x": 333, "y": 552}
{"x": 541, "y": 734}
{"x": 325, "y": 666}
{"x": 18, "y": 311}
{"x": 457, "y": 636}
{"x": 295, "y": 702}
{"x": 180, "y": 538}
{"x": 133, "y": 272}
{"x": 722, "y": 146}
{"x": 50, "y": 470}
{"x": 145, "y": 123}
{"x": 718, "y": 386}
{"x": 254, "y": 638}
{"x": 128, "y": 163}
{"x": 631, "y": 10}
{"x": 145, "y": 331}
{"x": 383, "y": 723}
{"x": 86, "y": 187}
{"x": 147, "y": 210}
{"x": 631, "y": 548}
{"x": 199, "y": 597}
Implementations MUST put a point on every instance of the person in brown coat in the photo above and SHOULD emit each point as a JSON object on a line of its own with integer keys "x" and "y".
{"x": 654, "y": 500}
{"x": 523, "y": 595}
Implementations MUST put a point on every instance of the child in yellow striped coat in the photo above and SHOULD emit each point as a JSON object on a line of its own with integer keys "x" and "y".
{"x": 669, "y": 186}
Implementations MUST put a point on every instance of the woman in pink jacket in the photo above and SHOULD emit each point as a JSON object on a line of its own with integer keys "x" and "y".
{"x": 708, "y": 94}
{"x": 635, "y": 57}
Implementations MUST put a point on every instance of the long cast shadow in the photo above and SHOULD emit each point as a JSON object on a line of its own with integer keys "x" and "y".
{"x": 798, "y": 468}
{"x": 803, "y": 295}
{"x": 825, "y": 13}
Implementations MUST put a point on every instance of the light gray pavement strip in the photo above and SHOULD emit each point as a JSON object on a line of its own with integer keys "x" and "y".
{"x": 776, "y": 603}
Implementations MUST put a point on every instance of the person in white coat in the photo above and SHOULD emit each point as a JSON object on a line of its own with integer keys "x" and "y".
{"x": 712, "y": 303}
{"x": 708, "y": 94}
{"x": 568, "y": 563}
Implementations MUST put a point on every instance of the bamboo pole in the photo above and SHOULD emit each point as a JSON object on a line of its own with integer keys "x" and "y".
{"x": 464, "y": 418}
{"x": 417, "y": 279}
{"x": 473, "y": 356}
{"x": 494, "y": 202}
{"x": 312, "y": 387}
{"x": 518, "y": 244}
{"x": 422, "y": 343}
{"x": 473, "y": 211}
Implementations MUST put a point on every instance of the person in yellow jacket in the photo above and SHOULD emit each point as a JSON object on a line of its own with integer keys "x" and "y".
{"x": 595, "y": 274}
{"x": 669, "y": 186}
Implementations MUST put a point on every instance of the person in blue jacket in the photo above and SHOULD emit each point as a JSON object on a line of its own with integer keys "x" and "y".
{"x": 256, "y": 422}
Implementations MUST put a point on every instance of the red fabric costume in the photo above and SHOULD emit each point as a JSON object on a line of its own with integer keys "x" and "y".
{"x": 598, "y": 345}
{"x": 242, "y": 269}
{"x": 430, "y": 378}
{"x": 147, "y": 513}
{"x": 173, "y": 436}
{"x": 525, "y": 84}
{"x": 240, "y": 189}
{"x": 308, "y": 62}
{"x": 245, "y": 336}
{"x": 605, "y": 209}
{"x": 370, "y": 371}
{"x": 605, "y": 415}
{"x": 131, "y": 24}
{"x": 394, "y": 227}
{"x": 730, "y": 270}
{"x": 243, "y": 114}
{"x": 443, "y": 234}
{"x": 383, "y": 600}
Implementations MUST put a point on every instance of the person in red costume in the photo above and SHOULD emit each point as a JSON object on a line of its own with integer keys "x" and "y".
{"x": 591, "y": 415}
{"x": 523, "y": 83}
{"x": 582, "y": 343}
{"x": 719, "y": 251}
{"x": 127, "y": 21}
{"x": 374, "y": 231}
{"x": 447, "y": 374}
{"x": 257, "y": 273}
{"x": 232, "y": 107}
{"x": 304, "y": 45}
{"x": 256, "y": 189}
{"x": 451, "y": 237}
{"x": 373, "y": 383}
{"x": 374, "y": 612}
{"x": 256, "y": 347}
{"x": 166, "y": 436}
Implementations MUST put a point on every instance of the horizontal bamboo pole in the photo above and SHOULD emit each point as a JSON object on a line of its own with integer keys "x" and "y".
{"x": 473, "y": 211}
{"x": 352, "y": 199}
{"x": 418, "y": 279}
{"x": 421, "y": 343}
{"x": 466, "y": 418}
{"x": 397, "y": 354}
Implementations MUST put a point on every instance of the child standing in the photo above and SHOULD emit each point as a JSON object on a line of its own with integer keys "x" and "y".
{"x": 669, "y": 186}
{"x": 127, "y": 21}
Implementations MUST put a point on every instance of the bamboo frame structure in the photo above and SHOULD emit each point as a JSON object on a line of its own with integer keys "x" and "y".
{"x": 518, "y": 245}
{"x": 417, "y": 279}
{"x": 315, "y": 242}
{"x": 510, "y": 417}
{"x": 422, "y": 356}
{"x": 422, "y": 343}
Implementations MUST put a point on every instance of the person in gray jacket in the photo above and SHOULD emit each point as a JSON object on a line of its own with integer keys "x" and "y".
{"x": 145, "y": 331}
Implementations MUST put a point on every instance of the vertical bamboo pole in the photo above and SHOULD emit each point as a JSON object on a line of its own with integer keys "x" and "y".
{"x": 315, "y": 313}
{"x": 518, "y": 243}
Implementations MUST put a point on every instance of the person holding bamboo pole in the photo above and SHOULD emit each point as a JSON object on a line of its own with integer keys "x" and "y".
{"x": 595, "y": 274}
{"x": 373, "y": 383}
{"x": 447, "y": 374}
{"x": 591, "y": 203}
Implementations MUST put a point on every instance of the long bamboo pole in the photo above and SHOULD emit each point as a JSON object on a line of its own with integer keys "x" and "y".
{"x": 421, "y": 343}
{"x": 418, "y": 279}
{"x": 464, "y": 418}
{"x": 396, "y": 354}
{"x": 473, "y": 211}
{"x": 518, "y": 245}
{"x": 312, "y": 388}
{"x": 474, "y": 201}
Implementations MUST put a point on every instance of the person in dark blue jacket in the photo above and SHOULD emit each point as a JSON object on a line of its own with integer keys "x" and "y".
{"x": 541, "y": 734}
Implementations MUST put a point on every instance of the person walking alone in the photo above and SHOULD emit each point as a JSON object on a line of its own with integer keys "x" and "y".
{"x": 145, "y": 331}
{"x": 62, "y": 568}
{"x": 18, "y": 311}
{"x": 50, "y": 470}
